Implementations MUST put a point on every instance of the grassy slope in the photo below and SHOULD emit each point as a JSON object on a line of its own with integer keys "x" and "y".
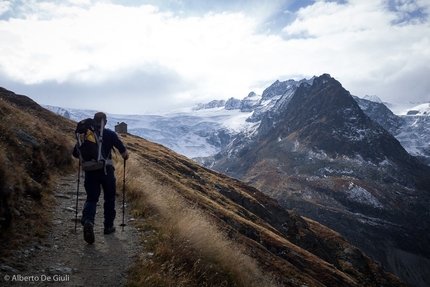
{"x": 201, "y": 227}
{"x": 32, "y": 153}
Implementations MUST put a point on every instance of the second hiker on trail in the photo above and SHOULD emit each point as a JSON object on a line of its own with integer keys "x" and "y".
{"x": 99, "y": 170}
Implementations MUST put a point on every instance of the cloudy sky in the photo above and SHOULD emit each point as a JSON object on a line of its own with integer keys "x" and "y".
{"x": 145, "y": 56}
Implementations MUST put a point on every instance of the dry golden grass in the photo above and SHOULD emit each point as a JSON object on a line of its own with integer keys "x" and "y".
{"x": 33, "y": 151}
{"x": 185, "y": 248}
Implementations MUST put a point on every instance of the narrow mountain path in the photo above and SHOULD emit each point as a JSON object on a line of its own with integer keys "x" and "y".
{"x": 65, "y": 259}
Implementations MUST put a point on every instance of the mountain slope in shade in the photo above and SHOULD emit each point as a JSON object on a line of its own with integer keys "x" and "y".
{"x": 294, "y": 248}
{"x": 320, "y": 155}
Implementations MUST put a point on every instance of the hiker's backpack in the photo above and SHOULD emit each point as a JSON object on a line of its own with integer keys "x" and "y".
{"x": 89, "y": 145}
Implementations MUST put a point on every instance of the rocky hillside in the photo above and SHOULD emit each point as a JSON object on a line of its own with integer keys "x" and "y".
{"x": 295, "y": 250}
{"x": 320, "y": 155}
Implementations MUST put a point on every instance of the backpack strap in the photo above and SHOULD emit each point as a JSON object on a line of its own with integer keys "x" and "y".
{"x": 100, "y": 158}
{"x": 100, "y": 141}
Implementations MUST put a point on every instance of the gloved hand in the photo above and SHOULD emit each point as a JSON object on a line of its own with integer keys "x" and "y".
{"x": 125, "y": 155}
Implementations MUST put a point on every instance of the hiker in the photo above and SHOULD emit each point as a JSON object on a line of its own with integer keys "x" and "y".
{"x": 102, "y": 177}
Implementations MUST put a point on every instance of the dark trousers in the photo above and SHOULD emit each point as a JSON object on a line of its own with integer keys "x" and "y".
{"x": 94, "y": 181}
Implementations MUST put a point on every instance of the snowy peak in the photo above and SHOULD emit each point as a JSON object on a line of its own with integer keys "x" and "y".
{"x": 372, "y": 98}
{"x": 258, "y": 105}
{"x": 420, "y": 110}
{"x": 250, "y": 102}
{"x": 278, "y": 89}
{"x": 275, "y": 97}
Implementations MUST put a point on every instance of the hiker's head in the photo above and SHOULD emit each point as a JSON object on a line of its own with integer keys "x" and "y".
{"x": 98, "y": 117}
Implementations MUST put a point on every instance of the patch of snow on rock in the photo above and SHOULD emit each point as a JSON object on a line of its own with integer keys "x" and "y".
{"x": 361, "y": 195}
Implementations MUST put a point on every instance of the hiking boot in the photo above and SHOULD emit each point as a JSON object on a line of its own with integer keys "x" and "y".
{"x": 109, "y": 230}
{"x": 89, "y": 232}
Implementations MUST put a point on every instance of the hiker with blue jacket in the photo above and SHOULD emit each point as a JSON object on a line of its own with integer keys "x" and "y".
{"x": 101, "y": 177}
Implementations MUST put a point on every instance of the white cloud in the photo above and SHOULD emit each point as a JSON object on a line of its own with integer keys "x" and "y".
{"x": 80, "y": 2}
{"x": 331, "y": 18}
{"x": 217, "y": 51}
{"x": 366, "y": 45}
{"x": 357, "y": 42}
{"x": 4, "y": 7}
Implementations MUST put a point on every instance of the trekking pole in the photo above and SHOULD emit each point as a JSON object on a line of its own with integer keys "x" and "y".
{"x": 123, "y": 199}
{"x": 77, "y": 195}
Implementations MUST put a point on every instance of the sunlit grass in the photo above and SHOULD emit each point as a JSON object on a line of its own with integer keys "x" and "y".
{"x": 182, "y": 246}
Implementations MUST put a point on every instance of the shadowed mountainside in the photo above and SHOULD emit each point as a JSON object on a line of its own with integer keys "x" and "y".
{"x": 284, "y": 243}
{"x": 320, "y": 155}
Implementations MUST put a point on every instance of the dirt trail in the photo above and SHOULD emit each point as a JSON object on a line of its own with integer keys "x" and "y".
{"x": 65, "y": 259}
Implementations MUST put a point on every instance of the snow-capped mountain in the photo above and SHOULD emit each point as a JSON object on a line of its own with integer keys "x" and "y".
{"x": 319, "y": 153}
{"x": 205, "y": 130}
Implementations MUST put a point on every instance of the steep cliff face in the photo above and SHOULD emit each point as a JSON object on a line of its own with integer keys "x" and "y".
{"x": 319, "y": 154}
